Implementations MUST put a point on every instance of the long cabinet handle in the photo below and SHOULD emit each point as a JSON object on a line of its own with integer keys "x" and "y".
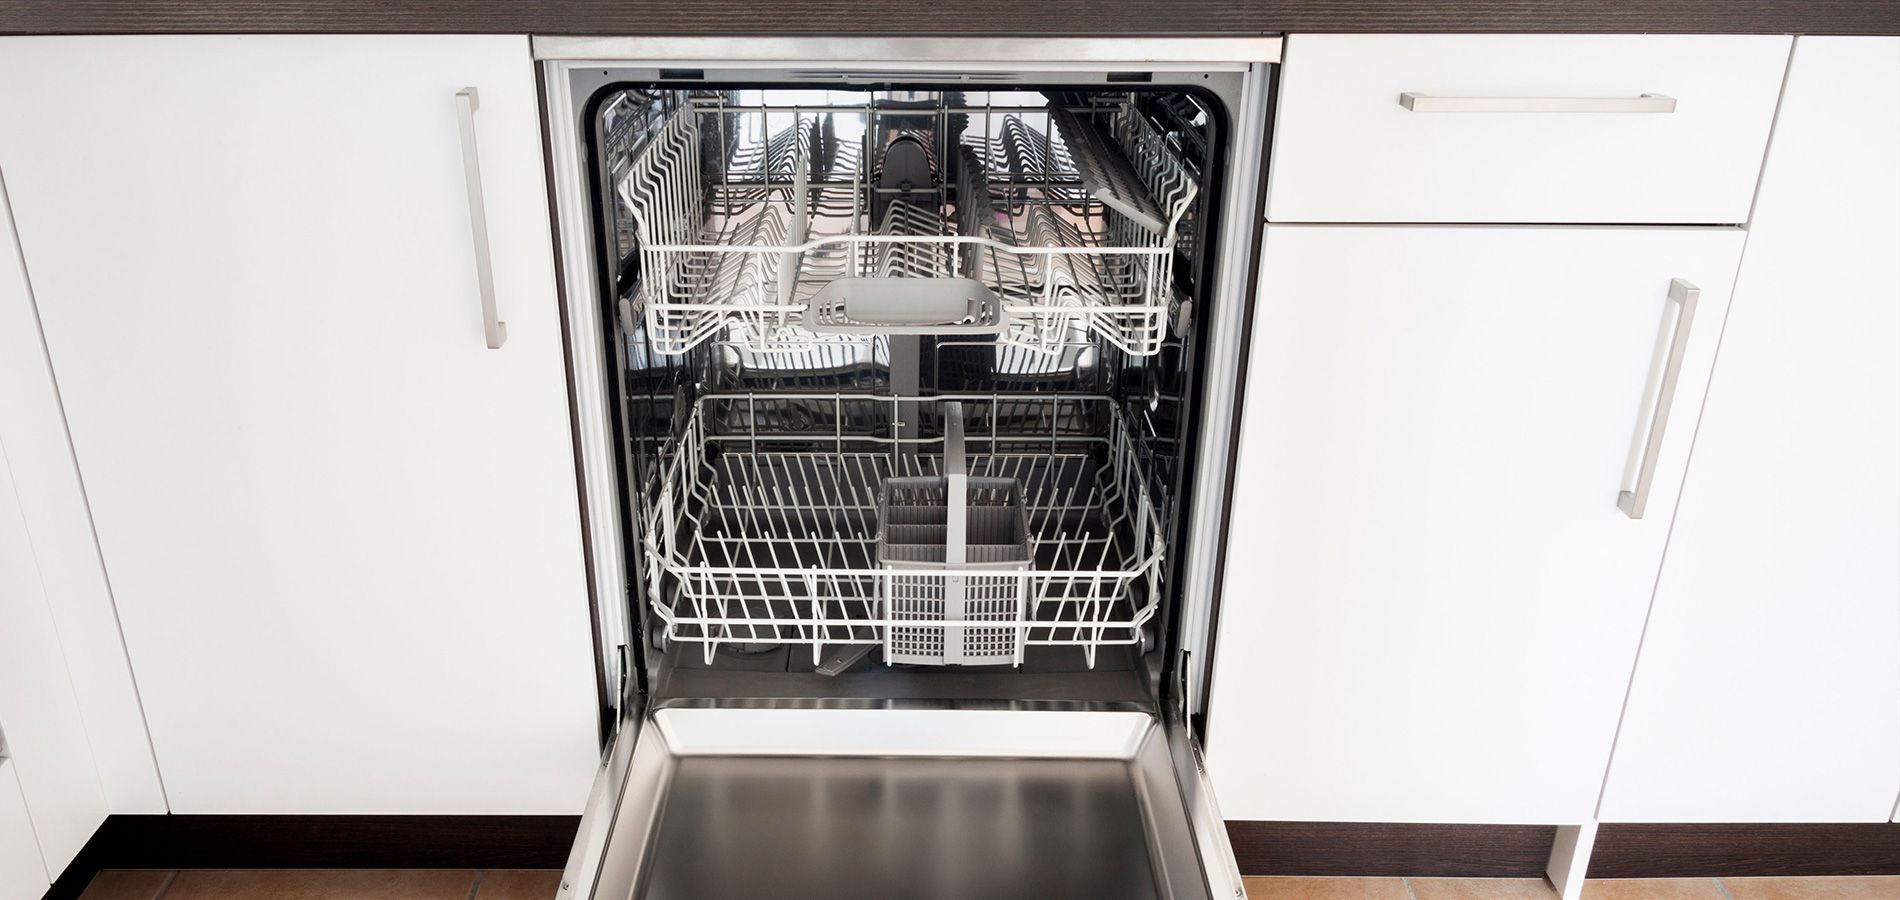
{"x": 467, "y": 100}
{"x": 1684, "y": 295}
{"x": 1647, "y": 103}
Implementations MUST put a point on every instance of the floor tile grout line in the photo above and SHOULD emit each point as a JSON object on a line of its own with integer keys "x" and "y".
{"x": 164, "y": 887}
{"x": 1723, "y": 888}
{"x": 475, "y": 886}
{"x": 1409, "y": 892}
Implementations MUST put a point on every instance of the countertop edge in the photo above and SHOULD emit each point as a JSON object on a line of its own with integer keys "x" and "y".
{"x": 1042, "y": 18}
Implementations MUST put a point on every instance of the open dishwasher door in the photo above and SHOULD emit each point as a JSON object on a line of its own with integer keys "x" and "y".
{"x": 711, "y": 801}
{"x": 827, "y": 299}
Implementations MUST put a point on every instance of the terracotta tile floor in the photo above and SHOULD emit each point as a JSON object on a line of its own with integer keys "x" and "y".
{"x": 537, "y": 884}
{"x": 1868, "y": 888}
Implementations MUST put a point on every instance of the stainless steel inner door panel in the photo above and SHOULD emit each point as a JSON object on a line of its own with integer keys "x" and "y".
{"x": 726, "y": 800}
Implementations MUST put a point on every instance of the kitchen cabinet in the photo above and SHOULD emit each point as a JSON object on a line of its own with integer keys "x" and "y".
{"x": 41, "y": 727}
{"x": 1631, "y": 128}
{"x": 342, "y": 532}
{"x": 1433, "y": 594}
{"x": 1766, "y": 689}
{"x": 69, "y": 571}
{"x": 22, "y": 873}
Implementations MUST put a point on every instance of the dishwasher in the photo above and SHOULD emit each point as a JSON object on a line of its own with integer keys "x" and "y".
{"x": 904, "y": 375}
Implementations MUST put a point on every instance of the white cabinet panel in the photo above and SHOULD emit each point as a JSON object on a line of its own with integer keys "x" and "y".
{"x": 53, "y": 504}
{"x": 342, "y": 533}
{"x": 22, "y": 874}
{"x": 1432, "y": 600}
{"x": 1768, "y": 686}
{"x": 1347, "y": 150}
{"x": 44, "y": 732}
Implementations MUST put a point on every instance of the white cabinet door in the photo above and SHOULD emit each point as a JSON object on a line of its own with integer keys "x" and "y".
{"x": 22, "y": 874}
{"x": 71, "y": 575}
{"x": 1432, "y": 599}
{"x": 41, "y": 727}
{"x": 1768, "y": 685}
{"x": 343, "y": 533}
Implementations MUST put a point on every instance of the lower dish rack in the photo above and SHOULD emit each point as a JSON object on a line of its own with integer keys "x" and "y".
{"x": 766, "y": 526}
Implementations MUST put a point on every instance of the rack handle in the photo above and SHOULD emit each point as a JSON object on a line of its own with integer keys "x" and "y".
{"x": 1685, "y": 296}
{"x": 956, "y": 473}
{"x": 1645, "y": 103}
{"x": 467, "y": 100}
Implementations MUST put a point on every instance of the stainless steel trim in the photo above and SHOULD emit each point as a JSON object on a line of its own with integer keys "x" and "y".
{"x": 1684, "y": 295}
{"x": 900, "y": 703}
{"x": 1647, "y": 103}
{"x": 467, "y": 100}
{"x": 1232, "y": 297}
{"x": 584, "y": 861}
{"x": 1218, "y": 864}
{"x": 908, "y": 53}
{"x": 588, "y": 370}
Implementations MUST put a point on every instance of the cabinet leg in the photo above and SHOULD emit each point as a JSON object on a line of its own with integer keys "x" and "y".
{"x": 1570, "y": 858}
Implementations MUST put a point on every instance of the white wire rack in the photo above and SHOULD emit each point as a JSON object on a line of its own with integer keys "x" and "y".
{"x": 690, "y": 291}
{"x": 763, "y": 528}
{"x": 1069, "y": 218}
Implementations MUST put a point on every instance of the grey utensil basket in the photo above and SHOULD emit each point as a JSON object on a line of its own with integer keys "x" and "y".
{"x": 957, "y": 524}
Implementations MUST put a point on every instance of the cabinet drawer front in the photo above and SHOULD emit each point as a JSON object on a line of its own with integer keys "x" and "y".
{"x": 1522, "y": 128}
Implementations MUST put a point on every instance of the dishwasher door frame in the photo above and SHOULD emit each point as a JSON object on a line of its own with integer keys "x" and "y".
{"x": 571, "y": 69}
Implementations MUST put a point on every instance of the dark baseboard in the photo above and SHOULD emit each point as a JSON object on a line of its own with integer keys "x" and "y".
{"x": 1521, "y": 851}
{"x": 1261, "y": 848}
{"x": 320, "y": 842}
{"x": 1370, "y": 849}
{"x": 1689, "y": 851}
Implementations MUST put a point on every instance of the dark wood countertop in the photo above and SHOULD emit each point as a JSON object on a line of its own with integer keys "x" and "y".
{"x": 960, "y": 17}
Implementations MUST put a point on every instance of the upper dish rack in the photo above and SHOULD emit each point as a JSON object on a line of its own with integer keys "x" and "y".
{"x": 1033, "y": 223}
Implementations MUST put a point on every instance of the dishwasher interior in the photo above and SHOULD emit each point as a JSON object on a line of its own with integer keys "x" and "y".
{"x": 851, "y": 315}
{"x": 905, "y": 380}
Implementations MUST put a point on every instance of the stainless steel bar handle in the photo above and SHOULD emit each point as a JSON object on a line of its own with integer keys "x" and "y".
{"x": 1685, "y": 296}
{"x": 1647, "y": 103}
{"x": 467, "y": 100}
